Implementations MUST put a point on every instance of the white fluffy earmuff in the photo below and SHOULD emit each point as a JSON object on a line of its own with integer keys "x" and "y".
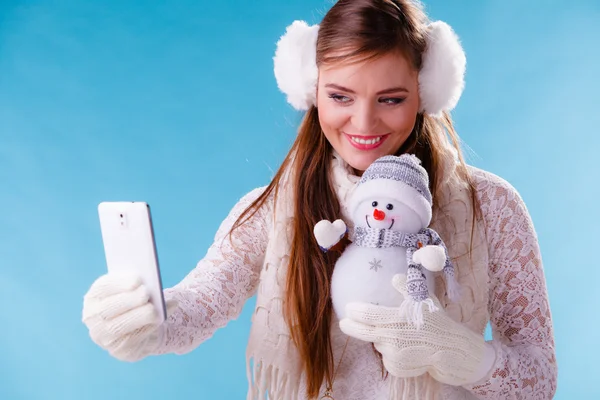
{"x": 296, "y": 64}
{"x": 442, "y": 75}
{"x": 441, "y": 79}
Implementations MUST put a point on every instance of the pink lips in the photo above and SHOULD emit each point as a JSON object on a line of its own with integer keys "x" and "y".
{"x": 365, "y": 146}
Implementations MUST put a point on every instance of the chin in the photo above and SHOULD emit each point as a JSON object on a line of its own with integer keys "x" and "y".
{"x": 361, "y": 161}
{"x": 361, "y": 164}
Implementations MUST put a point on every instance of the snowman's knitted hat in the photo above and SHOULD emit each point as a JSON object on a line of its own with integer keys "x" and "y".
{"x": 400, "y": 178}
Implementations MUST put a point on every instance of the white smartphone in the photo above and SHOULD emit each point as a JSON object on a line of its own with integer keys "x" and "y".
{"x": 129, "y": 245}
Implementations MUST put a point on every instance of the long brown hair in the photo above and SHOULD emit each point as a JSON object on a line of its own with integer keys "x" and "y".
{"x": 352, "y": 30}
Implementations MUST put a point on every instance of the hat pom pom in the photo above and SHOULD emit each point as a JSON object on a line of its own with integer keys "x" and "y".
{"x": 411, "y": 158}
{"x": 295, "y": 64}
{"x": 441, "y": 79}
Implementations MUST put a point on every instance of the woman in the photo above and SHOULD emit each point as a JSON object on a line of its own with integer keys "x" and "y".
{"x": 376, "y": 78}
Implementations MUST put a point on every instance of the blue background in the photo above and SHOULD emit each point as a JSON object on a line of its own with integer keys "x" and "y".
{"x": 175, "y": 103}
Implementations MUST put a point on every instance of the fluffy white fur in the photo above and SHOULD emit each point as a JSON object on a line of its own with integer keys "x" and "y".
{"x": 441, "y": 79}
{"x": 295, "y": 64}
{"x": 394, "y": 189}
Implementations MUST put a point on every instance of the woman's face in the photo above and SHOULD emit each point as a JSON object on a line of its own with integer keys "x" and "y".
{"x": 367, "y": 110}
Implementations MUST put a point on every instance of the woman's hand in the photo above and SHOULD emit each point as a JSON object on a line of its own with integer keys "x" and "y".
{"x": 450, "y": 352}
{"x": 120, "y": 318}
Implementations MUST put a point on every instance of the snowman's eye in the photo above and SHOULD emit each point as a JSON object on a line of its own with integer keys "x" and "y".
{"x": 374, "y": 204}
{"x": 390, "y": 206}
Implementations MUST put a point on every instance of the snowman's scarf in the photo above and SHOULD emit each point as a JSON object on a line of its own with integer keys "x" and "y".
{"x": 416, "y": 284}
{"x": 273, "y": 362}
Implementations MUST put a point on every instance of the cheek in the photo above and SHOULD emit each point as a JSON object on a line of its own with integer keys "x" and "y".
{"x": 403, "y": 120}
{"x": 331, "y": 117}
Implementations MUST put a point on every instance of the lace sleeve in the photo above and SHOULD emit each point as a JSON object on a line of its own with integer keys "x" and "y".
{"x": 525, "y": 366}
{"x": 214, "y": 292}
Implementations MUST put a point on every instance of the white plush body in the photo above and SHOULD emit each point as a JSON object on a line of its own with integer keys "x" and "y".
{"x": 356, "y": 280}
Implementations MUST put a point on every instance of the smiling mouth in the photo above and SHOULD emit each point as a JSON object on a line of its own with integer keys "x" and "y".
{"x": 369, "y": 225}
{"x": 362, "y": 140}
{"x": 366, "y": 142}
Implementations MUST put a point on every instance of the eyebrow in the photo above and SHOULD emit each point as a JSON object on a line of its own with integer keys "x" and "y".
{"x": 395, "y": 89}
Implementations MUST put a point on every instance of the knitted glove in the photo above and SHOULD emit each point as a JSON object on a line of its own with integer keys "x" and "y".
{"x": 450, "y": 352}
{"x": 120, "y": 318}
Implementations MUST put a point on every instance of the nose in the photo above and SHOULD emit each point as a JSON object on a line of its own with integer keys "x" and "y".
{"x": 364, "y": 118}
{"x": 378, "y": 215}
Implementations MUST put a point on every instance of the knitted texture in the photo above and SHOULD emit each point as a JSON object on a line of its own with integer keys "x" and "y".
{"x": 120, "y": 317}
{"x": 404, "y": 168}
{"x": 382, "y": 238}
{"x": 445, "y": 349}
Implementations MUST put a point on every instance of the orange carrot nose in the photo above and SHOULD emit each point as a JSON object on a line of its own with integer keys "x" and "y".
{"x": 378, "y": 215}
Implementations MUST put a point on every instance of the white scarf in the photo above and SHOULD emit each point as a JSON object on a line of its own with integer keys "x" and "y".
{"x": 273, "y": 362}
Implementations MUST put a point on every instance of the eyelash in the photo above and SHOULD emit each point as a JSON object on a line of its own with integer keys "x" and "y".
{"x": 392, "y": 101}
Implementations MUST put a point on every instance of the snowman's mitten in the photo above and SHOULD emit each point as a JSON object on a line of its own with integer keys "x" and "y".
{"x": 120, "y": 317}
{"x": 328, "y": 234}
{"x": 431, "y": 257}
{"x": 450, "y": 352}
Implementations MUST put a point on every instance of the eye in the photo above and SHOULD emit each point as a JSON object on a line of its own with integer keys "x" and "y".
{"x": 374, "y": 204}
{"x": 338, "y": 98}
{"x": 392, "y": 100}
{"x": 390, "y": 206}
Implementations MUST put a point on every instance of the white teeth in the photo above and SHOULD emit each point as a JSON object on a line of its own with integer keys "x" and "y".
{"x": 363, "y": 141}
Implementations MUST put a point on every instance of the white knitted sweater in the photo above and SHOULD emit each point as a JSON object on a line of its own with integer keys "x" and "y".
{"x": 517, "y": 306}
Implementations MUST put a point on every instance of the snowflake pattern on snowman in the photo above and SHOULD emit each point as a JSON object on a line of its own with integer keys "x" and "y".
{"x": 391, "y": 210}
{"x": 375, "y": 264}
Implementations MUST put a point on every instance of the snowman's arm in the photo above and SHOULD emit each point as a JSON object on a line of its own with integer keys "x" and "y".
{"x": 448, "y": 268}
{"x": 436, "y": 240}
{"x": 331, "y": 236}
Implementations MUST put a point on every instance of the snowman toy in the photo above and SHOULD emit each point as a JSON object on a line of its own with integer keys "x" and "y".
{"x": 390, "y": 208}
